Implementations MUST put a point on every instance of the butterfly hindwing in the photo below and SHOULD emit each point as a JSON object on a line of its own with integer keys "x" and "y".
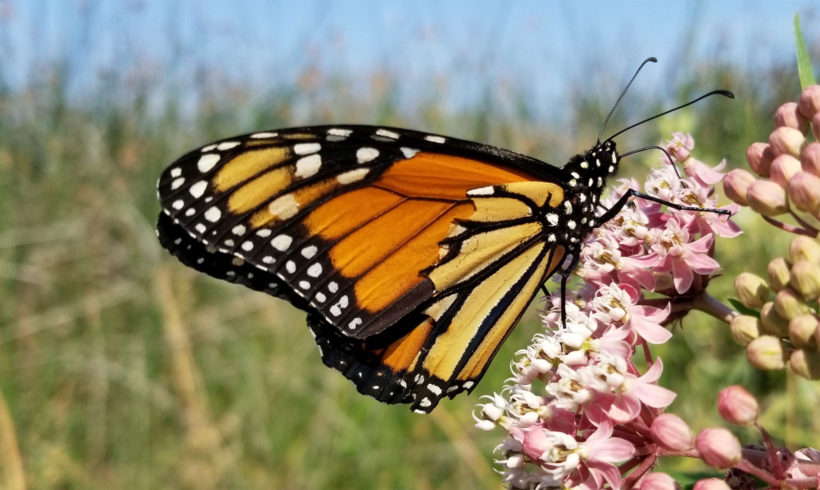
{"x": 414, "y": 255}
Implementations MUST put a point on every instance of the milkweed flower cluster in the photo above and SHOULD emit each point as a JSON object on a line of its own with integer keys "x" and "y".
{"x": 783, "y": 327}
{"x": 579, "y": 411}
{"x": 582, "y": 410}
{"x": 785, "y": 177}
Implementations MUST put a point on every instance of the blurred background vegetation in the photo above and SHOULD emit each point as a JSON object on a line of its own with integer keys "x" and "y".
{"x": 122, "y": 369}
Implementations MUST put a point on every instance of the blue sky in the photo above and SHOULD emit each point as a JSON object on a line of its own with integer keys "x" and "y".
{"x": 544, "y": 45}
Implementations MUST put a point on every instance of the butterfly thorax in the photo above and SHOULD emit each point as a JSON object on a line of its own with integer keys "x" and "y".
{"x": 586, "y": 179}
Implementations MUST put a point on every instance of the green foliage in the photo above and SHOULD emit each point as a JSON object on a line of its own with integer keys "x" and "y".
{"x": 804, "y": 68}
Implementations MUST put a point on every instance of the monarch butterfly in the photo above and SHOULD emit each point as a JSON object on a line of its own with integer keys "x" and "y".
{"x": 413, "y": 254}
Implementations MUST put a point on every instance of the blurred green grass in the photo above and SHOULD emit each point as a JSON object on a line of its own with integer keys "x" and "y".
{"x": 122, "y": 369}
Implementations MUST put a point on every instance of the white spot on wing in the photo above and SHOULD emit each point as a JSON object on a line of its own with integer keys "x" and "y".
{"x": 341, "y": 132}
{"x": 238, "y": 230}
{"x": 309, "y": 252}
{"x": 284, "y": 206}
{"x": 177, "y": 183}
{"x": 306, "y": 148}
{"x": 207, "y": 162}
{"x": 408, "y": 152}
{"x": 227, "y": 145}
{"x": 387, "y": 133}
{"x": 213, "y": 214}
{"x": 264, "y": 135}
{"x": 178, "y": 204}
{"x": 176, "y": 172}
{"x": 352, "y": 176}
{"x": 435, "y": 139}
{"x": 314, "y": 270}
{"x": 281, "y": 242}
{"x": 308, "y": 166}
{"x": 198, "y": 188}
{"x": 366, "y": 154}
{"x": 481, "y": 191}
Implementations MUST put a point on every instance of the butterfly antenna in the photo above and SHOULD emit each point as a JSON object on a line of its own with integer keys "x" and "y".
{"x": 724, "y": 93}
{"x": 654, "y": 147}
{"x": 623, "y": 92}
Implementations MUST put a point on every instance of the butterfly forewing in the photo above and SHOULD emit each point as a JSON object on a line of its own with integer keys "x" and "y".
{"x": 413, "y": 254}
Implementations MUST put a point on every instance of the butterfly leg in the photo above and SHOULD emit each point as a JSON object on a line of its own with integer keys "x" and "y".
{"x": 616, "y": 208}
{"x": 566, "y": 272}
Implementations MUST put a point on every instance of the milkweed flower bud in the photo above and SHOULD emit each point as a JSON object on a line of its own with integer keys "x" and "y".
{"x": 718, "y": 447}
{"x": 804, "y": 248}
{"x": 771, "y": 321}
{"x": 786, "y": 141}
{"x": 805, "y": 279}
{"x": 804, "y": 192}
{"x": 745, "y": 328}
{"x": 766, "y": 352}
{"x": 783, "y": 168}
{"x": 815, "y": 126}
{"x": 736, "y": 184}
{"x": 671, "y": 432}
{"x": 767, "y": 198}
{"x": 751, "y": 289}
{"x": 711, "y": 484}
{"x": 737, "y": 406}
{"x": 779, "y": 272}
{"x": 810, "y": 158}
{"x": 789, "y": 304}
{"x": 760, "y": 156}
{"x": 809, "y": 103}
{"x": 789, "y": 115}
{"x": 803, "y": 330}
{"x": 658, "y": 481}
{"x": 805, "y": 363}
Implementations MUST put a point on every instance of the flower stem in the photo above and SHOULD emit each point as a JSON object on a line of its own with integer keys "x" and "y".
{"x": 708, "y": 304}
{"x": 789, "y": 228}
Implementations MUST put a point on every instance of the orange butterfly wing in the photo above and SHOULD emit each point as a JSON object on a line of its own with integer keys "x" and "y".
{"x": 414, "y": 255}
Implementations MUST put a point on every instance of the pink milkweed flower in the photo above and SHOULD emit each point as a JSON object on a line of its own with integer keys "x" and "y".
{"x": 680, "y": 146}
{"x": 682, "y": 257}
{"x": 622, "y": 402}
{"x": 618, "y": 303}
{"x": 603, "y": 263}
{"x": 597, "y": 457}
{"x": 702, "y": 173}
{"x": 717, "y": 224}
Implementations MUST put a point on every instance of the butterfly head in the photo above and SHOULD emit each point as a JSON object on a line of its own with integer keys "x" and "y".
{"x": 587, "y": 172}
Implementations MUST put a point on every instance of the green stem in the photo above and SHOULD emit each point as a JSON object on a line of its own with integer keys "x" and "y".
{"x": 708, "y": 304}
